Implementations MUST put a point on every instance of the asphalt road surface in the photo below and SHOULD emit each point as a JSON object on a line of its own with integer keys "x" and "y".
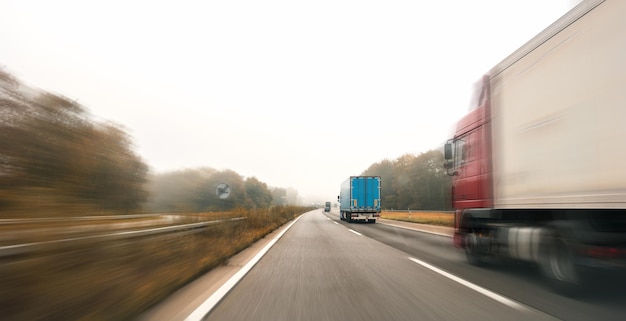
{"x": 326, "y": 269}
{"x": 321, "y": 270}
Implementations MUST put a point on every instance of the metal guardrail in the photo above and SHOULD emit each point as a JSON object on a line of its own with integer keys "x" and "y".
{"x": 16, "y": 249}
{"x": 78, "y": 218}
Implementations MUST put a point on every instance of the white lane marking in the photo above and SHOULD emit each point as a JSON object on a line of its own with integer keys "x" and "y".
{"x": 417, "y": 229}
{"x": 355, "y": 232}
{"x": 200, "y": 312}
{"x": 336, "y": 222}
{"x": 506, "y": 301}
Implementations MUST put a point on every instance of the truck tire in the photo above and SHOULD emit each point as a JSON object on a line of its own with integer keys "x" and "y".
{"x": 372, "y": 221}
{"x": 472, "y": 251}
{"x": 559, "y": 266}
{"x": 471, "y": 242}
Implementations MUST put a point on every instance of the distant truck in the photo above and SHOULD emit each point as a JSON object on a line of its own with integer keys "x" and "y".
{"x": 327, "y": 207}
{"x": 536, "y": 163}
{"x": 359, "y": 199}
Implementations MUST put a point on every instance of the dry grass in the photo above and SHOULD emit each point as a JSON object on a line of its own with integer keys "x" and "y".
{"x": 118, "y": 280}
{"x": 432, "y": 218}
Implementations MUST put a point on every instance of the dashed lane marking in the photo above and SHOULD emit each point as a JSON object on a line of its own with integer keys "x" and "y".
{"x": 504, "y": 300}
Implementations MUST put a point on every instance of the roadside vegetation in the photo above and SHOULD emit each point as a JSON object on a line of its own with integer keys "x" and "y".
{"x": 53, "y": 156}
{"x": 118, "y": 280}
{"x": 431, "y": 218}
{"x": 413, "y": 182}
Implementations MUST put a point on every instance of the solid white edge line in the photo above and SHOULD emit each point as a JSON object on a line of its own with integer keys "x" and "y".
{"x": 355, "y": 232}
{"x": 481, "y": 290}
{"x": 201, "y": 311}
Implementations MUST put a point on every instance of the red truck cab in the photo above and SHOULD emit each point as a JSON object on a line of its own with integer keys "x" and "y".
{"x": 469, "y": 155}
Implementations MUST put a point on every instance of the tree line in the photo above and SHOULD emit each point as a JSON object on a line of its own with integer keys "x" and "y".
{"x": 56, "y": 160}
{"x": 53, "y": 157}
{"x": 413, "y": 182}
{"x": 195, "y": 190}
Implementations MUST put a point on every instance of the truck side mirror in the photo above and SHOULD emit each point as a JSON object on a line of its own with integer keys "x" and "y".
{"x": 448, "y": 164}
{"x": 337, "y": 198}
{"x": 447, "y": 151}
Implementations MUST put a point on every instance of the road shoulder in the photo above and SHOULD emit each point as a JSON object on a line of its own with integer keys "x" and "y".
{"x": 184, "y": 301}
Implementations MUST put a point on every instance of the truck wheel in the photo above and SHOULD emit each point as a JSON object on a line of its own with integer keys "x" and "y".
{"x": 559, "y": 267}
{"x": 472, "y": 249}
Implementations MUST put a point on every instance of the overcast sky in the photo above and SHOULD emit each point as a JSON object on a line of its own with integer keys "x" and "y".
{"x": 298, "y": 94}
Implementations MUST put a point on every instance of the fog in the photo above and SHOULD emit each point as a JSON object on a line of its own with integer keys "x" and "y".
{"x": 298, "y": 95}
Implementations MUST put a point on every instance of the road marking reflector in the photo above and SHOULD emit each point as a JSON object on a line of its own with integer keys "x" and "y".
{"x": 506, "y": 301}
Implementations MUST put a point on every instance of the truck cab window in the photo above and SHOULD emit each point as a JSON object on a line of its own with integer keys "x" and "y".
{"x": 460, "y": 153}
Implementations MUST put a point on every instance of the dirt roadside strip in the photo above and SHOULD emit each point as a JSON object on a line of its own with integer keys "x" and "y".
{"x": 183, "y": 302}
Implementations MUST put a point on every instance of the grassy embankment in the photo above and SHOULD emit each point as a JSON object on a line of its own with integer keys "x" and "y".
{"x": 118, "y": 280}
{"x": 431, "y": 218}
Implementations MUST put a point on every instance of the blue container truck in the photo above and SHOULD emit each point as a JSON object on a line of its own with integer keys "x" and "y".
{"x": 359, "y": 199}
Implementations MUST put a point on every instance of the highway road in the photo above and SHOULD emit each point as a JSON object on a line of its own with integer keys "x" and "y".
{"x": 326, "y": 269}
